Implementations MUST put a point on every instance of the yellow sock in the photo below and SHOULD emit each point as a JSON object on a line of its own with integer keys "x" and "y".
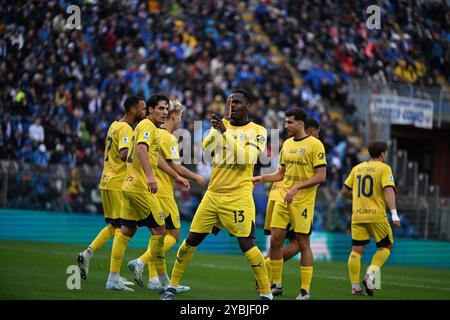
{"x": 169, "y": 242}
{"x": 277, "y": 270}
{"x": 118, "y": 252}
{"x": 184, "y": 256}
{"x": 306, "y": 273}
{"x": 102, "y": 238}
{"x": 379, "y": 258}
{"x": 268, "y": 268}
{"x": 157, "y": 254}
{"x": 256, "y": 260}
{"x": 354, "y": 267}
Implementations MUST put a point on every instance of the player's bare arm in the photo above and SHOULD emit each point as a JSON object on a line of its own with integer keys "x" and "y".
{"x": 389, "y": 195}
{"x": 186, "y": 173}
{"x": 273, "y": 177}
{"x": 320, "y": 175}
{"x": 142, "y": 153}
{"x": 164, "y": 166}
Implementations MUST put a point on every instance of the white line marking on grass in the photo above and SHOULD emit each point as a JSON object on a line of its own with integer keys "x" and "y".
{"x": 398, "y": 284}
{"x": 209, "y": 265}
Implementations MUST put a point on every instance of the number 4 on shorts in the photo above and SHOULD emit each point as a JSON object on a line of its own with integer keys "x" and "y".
{"x": 305, "y": 213}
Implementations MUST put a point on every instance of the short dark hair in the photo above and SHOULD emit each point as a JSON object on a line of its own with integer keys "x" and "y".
{"x": 131, "y": 101}
{"x": 152, "y": 102}
{"x": 298, "y": 114}
{"x": 312, "y": 123}
{"x": 247, "y": 95}
{"x": 376, "y": 148}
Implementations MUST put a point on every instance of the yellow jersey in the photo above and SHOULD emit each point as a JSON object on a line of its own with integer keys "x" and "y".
{"x": 301, "y": 157}
{"x": 168, "y": 149}
{"x": 232, "y": 168}
{"x": 135, "y": 180}
{"x": 114, "y": 169}
{"x": 367, "y": 181}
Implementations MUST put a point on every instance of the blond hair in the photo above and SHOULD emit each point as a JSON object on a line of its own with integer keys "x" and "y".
{"x": 175, "y": 106}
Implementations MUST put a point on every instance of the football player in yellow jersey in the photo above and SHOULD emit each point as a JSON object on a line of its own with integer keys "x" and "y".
{"x": 370, "y": 185}
{"x": 169, "y": 152}
{"x": 114, "y": 169}
{"x": 140, "y": 206}
{"x": 303, "y": 168}
{"x": 312, "y": 128}
{"x": 229, "y": 201}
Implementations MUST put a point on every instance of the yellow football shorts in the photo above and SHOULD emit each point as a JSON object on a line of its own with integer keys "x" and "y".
{"x": 170, "y": 211}
{"x": 298, "y": 216}
{"x": 141, "y": 209}
{"x": 235, "y": 212}
{"x": 380, "y": 231}
{"x": 290, "y": 235}
{"x": 111, "y": 201}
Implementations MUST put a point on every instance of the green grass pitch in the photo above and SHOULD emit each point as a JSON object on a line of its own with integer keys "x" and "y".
{"x": 33, "y": 270}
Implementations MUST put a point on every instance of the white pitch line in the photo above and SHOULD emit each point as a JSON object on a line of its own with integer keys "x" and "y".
{"x": 207, "y": 265}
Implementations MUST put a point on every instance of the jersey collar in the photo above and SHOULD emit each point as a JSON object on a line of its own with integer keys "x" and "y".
{"x": 301, "y": 138}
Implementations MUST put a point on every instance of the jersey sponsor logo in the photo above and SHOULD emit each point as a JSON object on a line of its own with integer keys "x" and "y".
{"x": 299, "y": 163}
{"x": 260, "y": 138}
{"x": 321, "y": 155}
{"x": 146, "y": 135}
{"x": 125, "y": 140}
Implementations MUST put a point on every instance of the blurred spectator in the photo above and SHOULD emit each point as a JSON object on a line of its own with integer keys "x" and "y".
{"x": 36, "y": 131}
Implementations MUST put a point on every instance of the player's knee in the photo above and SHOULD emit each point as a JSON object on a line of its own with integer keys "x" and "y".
{"x": 128, "y": 231}
{"x": 276, "y": 241}
{"x": 246, "y": 244}
{"x": 194, "y": 239}
{"x": 161, "y": 231}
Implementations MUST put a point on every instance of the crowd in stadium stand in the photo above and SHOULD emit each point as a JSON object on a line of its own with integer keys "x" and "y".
{"x": 62, "y": 88}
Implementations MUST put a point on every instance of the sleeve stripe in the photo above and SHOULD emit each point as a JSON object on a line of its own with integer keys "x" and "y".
{"x": 254, "y": 145}
{"x": 389, "y": 186}
{"x": 320, "y": 166}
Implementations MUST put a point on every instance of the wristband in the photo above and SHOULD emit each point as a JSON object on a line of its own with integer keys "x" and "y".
{"x": 394, "y": 215}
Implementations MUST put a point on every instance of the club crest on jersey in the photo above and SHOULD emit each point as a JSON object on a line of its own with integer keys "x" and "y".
{"x": 146, "y": 135}
{"x": 302, "y": 151}
{"x": 260, "y": 138}
{"x": 242, "y": 136}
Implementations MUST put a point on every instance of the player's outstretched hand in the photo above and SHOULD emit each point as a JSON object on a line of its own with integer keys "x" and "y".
{"x": 227, "y": 114}
{"x": 218, "y": 124}
{"x": 200, "y": 180}
{"x": 183, "y": 183}
{"x": 152, "y": 184}
{"x": 257, "y": 180}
